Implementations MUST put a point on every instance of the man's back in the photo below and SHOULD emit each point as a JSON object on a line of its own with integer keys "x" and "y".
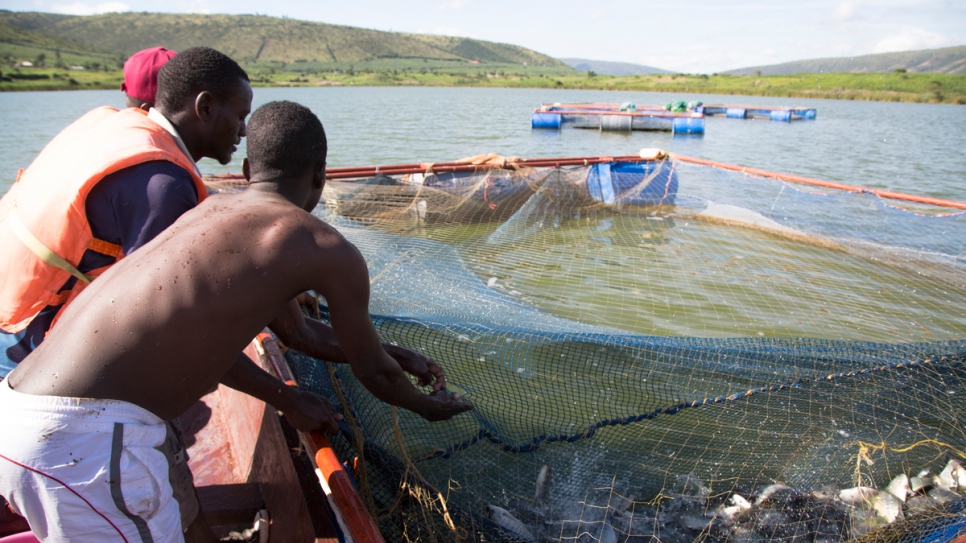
{"x": 192, "y": 299}
{"x": 159, "y": 329}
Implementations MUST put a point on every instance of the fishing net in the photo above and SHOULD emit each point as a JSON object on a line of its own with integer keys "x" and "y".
{"x": 659, "y": 351}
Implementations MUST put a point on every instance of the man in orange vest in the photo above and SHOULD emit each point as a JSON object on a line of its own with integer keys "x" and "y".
{"x": 104, "y": 186}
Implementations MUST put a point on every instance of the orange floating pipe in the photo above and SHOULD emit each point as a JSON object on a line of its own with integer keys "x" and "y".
{"x": 353, "y": 172}
{"x": 354, "y": 513}
{"x": 826, "y": 184}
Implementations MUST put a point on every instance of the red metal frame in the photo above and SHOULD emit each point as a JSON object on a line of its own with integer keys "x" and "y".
{"x": 663, "y": 114}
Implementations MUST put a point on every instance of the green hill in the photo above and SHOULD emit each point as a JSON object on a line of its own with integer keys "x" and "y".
{"x": 255, "y": 39}
{"x": 19, "y": 44}
{"x": 604, "y": 67}
{"x": 948, "y": 60}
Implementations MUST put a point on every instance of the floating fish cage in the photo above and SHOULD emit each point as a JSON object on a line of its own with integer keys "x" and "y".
{"x": 450, "y": 193}
{"x": 619, "y": 121}
{"x": 774, "y": 113}
{"x": 667, "y": 349}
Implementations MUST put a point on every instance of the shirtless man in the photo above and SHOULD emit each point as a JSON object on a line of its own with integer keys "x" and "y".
{"x": 165, "y": 324}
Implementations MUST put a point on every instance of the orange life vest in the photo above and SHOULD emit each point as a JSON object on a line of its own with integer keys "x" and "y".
{"x": 43, "y": 220}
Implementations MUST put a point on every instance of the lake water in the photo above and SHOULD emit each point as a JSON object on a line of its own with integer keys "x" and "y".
{"x": 705, "y": 289}
{"x": 915, "y": 148}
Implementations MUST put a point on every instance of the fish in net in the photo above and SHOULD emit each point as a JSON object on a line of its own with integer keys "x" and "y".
{"x": 658, "y": 351}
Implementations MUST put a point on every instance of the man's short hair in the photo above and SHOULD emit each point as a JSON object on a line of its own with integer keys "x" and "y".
{"x": 284, "y": 139}
{"x": 195, "y": 70}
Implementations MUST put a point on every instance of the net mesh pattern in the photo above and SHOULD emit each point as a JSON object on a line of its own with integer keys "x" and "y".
{"x": 659, "y": 352}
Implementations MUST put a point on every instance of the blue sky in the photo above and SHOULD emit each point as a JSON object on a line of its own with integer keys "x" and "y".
{"x": 701, "y": 36}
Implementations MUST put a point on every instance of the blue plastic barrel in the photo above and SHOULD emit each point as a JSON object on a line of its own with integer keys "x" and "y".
{"x": 736, "y": 113}
{"x": 546, "y": 120}
{"x": 633, "y": 183}
{"x": 600, "y": 185}
{"x": 781, "y": 115}
{"x": 808, "y": 114}
{"x": 688, "y": 125}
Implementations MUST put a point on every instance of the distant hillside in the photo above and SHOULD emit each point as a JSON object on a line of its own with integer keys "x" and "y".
{"x": 31, "y": 20}
{"x": 948, "y": 60}
{"x": 23, "y": 43}
{"x": 260, "y": 39}
{"x": 604, "y": 67}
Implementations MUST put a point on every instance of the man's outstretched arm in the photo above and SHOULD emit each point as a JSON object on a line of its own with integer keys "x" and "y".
{"x": 316, "y": 339}
{"x": 304, "y": 410}
{"x": 342, "y": 278}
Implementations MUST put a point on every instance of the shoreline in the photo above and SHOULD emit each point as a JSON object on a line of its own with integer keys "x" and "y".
{"x": 884, "y": 87}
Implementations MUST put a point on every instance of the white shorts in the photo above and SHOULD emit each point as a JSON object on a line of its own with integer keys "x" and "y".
{"x": 86, "y": 470}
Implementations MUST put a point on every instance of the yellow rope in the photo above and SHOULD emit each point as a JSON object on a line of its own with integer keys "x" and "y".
{"x": 42, "y": 251}
{"x": 865, "y": 450}
{"x": 411, "y": 469}
{"x": 357, "y": 441}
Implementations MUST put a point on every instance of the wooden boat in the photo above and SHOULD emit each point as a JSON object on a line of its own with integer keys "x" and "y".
{"x": 246, "y": 461}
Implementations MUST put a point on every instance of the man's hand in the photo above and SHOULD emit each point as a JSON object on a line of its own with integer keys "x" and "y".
{"x": 444, "y": 405}
{"x": 308, "y": 411}
{"x": 424, "y": 368}
{"x": 309, "y": 300}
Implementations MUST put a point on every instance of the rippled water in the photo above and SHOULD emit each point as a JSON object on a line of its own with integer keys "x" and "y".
{"x": 914, "y": 148}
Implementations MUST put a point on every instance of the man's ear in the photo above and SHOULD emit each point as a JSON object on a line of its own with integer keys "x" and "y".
{"x": 318, "y": 176}
{"x": 246, "y": 170}
{"x": 203, "y": 105}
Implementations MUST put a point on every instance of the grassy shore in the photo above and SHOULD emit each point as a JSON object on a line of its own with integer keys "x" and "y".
{"x": 889, "y": 87}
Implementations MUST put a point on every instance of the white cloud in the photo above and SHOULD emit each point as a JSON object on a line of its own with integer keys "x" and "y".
{"x": 447, "y": 31}
{"x": 596, "y": 14}
{"x": 193, "y": 6}
{"x": 911, "y": 39}
{"x": 80, "y": 8}
{"x": 452, "y": 5}
{"x": 845, "y": 11}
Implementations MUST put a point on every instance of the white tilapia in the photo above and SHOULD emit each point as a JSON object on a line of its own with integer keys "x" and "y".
{"x": 857, "y": 494}
{"x": 887, "y": 506}
{"x": 767, "y": 493}
{"x": 508, "y": 522}
{"x": 543, "y": 481}
{"x": 899, "y": 487}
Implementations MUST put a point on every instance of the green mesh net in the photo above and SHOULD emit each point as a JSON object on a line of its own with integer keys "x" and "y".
{"x": 659, "y": 352}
